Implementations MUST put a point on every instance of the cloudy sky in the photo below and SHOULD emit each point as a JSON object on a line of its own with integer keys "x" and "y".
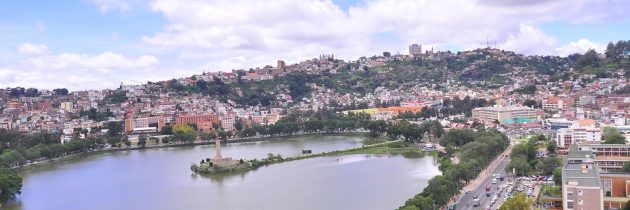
{"x": 95, "y": 44}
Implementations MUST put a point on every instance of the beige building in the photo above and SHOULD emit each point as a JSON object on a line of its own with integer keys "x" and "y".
{"x": 506, "y": 114}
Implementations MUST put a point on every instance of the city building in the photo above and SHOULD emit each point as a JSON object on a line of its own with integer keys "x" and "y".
{"x": 144, "y": 124}
{"x": 557, "y": 103}
{"x": 68, "y": 106}
{"x": 506, "y": 114}
{"x": 608, "y": 157}
{"x": 204, "y": 122}
{"x": 415, "y": 50}
{"x": 578, "y": 135}
{"x": 581, "y": 186}
{"x": 558, "y": 123}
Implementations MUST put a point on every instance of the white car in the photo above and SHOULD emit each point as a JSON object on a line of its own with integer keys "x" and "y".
{"x": 494, "y": 181}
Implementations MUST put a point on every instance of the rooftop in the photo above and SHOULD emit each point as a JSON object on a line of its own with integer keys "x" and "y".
{"x": 504, "y": 108}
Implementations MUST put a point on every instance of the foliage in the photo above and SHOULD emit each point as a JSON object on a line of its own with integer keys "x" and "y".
{"x": 551, "y": 147}
{"x": 475, "y": 155}
{"x": 613, "y": 136}
{"x": 457, "y": 137}
{"x": 184, "y": 132}
{"x": 518, "y": 202}
{"x": 114, "y": 128}
{"x": 10, "y": 184}
{"x": 530, "y": 89}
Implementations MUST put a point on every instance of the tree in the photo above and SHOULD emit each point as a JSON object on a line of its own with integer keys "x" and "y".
{"x": 184, "y": 132}
{"x": 547, "y": 165}
{"x": 387, "y": 54}
{"x": 142, "y": 140}
{"x": 551, "y": 147}
{"x": 627, "y": 205}
{"x": 61, "y": 91}
{"x": 613, "y": 136}
{"x": 532, "y": 103}
{"x": 588, "y": 59}
{"x": 518, "y": 202}
{"x": 377, "y": 127}
{"x": 238, "y": 124}
{"x": 457, "y": 137}
{"x": 10, "y": 184}
{"x": 114, "y": 128}
{"x": 167, "y": 129}
{"x": 557, "y": 176}
{"x": 518, "y": 164}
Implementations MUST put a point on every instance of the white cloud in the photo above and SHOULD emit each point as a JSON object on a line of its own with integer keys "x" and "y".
{"x": 530, "y": 40}
{"x": 110, "y": 5}
{"x": 226, "y": 34}
{"x": 35, "y": 49}
{"x": 580, "y": 46}
{"x": 41, "y": 69}
{"x": 257, "y": 32}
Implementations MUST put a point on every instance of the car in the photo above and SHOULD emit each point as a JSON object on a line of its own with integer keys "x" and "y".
{"x": 494, "y": 181}
{"x": 487, "y": 188}
{"x": 488, "y": 194}
{"x": 501, "y": 178}
{"x": 476, "y": 202}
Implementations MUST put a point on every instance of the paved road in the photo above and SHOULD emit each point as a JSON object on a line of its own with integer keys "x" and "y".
{"x": 466, "y": 201}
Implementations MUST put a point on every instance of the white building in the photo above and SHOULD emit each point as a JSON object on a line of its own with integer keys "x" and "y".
{"x": 578, "y": 135}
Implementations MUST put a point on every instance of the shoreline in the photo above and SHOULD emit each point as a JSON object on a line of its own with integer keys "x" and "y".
{"x": 198, "y": 143}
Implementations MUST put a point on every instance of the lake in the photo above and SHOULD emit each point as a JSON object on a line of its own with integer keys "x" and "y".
{"x": 160, "y": 179}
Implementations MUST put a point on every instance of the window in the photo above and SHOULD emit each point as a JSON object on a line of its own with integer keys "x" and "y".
{"x": 570, "y": 205}
{"x": 570, "y": 195}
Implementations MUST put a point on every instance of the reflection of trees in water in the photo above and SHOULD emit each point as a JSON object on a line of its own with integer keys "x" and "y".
{"x": 220, "y": 178}
{"x": 13, "y": 205}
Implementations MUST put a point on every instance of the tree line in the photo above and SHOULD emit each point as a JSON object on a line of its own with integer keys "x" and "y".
{"x": 476, "y": 151}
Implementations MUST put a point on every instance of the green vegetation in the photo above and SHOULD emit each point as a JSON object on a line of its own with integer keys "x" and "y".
{"x": 475, "y": 155}
{"x": 551, "y": 190}
{"x": 185, "y": 133}
{"x": 20, "y": 148}
{"x": 10, "y": 184}
{"x": 520, "y": 201}
{"x": 524, "y": 159}
{"x": 531, "y": 89}
{"x": 613, "y": 136}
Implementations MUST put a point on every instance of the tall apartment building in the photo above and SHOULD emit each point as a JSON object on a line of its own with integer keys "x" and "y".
{"x": 415, "y": 50}
{"x": 578, "y": 135}
{"x": 581, "y": 186}
{"x": 506, "y": 115}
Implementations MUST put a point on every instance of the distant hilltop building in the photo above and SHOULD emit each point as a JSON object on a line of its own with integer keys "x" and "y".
{"x": 415, "y": 50}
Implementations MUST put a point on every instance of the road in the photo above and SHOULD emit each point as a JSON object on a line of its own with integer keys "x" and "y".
{"x": 466, "y": 200}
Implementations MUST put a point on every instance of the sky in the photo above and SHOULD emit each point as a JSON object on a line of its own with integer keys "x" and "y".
{"x": 98, "y": 44}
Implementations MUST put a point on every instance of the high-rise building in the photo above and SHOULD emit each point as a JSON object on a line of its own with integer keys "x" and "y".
{"x": 415, "y": 50}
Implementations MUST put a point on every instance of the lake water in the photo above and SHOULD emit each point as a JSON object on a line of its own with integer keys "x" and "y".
{"x": 160, "y": 179}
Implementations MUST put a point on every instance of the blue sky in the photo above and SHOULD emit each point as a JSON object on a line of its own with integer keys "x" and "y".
{"x": 94, "y": 44}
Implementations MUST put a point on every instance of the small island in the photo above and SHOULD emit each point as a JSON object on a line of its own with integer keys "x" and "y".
{"x": 221, "y": 164}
